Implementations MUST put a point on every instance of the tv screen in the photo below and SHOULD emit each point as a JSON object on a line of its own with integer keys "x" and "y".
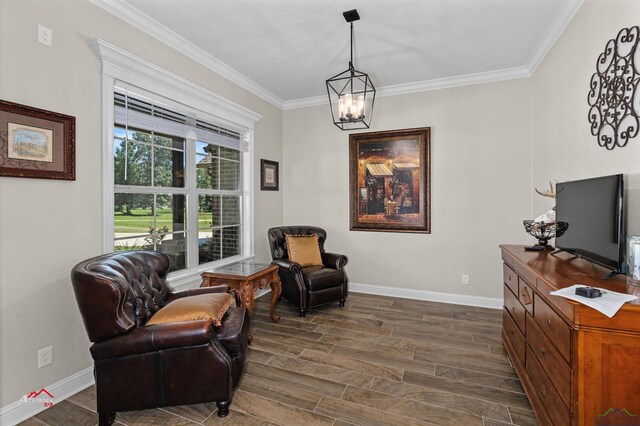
{"x": 593, "y": 210}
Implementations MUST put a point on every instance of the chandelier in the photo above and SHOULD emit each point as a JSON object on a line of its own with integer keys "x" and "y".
{"x": 351, "y": 93}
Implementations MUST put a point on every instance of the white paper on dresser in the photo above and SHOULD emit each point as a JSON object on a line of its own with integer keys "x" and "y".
{"x": 609, "y": 303}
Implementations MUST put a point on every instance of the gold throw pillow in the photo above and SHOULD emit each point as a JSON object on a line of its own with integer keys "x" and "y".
{"x": 191, "y": 308}
{"x": 304, "y": 249}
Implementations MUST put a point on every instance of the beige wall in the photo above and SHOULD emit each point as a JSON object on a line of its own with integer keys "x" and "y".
{"x": 480, "y": 186}
{"x": 563, "y": 147}
{"x": 491, "y": 144}
{"x": 48, "y": 226}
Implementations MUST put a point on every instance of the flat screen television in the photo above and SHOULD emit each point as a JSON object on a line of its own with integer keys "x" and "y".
{"x": 593, "y": 210}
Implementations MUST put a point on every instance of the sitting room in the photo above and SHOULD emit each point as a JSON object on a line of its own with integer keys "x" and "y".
{"x": 331, "y": 213}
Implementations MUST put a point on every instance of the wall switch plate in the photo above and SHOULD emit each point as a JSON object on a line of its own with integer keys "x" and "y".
{"x": 465, "y": 279}
{"x": 45, "y": 35}
{"x": 45, "y": 356}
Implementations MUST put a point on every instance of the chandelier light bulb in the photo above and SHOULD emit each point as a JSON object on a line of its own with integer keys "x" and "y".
{"x": 348, "y": 100}
{"x": 341, "y": 109}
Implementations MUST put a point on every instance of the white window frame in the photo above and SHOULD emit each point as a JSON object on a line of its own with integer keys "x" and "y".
{"x": 120, "y": 65}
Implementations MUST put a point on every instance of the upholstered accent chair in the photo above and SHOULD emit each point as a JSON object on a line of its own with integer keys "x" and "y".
{"x": 310, "y": 286}
{"x": 139, "y": 366}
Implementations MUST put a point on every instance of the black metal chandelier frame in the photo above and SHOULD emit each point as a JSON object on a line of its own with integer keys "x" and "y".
{"x": 352, "y": 87}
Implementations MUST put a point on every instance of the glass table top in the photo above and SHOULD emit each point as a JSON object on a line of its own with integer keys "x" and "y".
{"x": 241, "y": 268}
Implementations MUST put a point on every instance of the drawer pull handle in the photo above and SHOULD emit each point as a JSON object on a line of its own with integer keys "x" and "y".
{"x": 544, "y": 391}
{"x": 542, "y": 351}
{"x": 549, "y": 322}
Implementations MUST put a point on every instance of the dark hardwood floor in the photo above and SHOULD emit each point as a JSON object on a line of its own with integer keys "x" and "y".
{"x": 377, "y": 361}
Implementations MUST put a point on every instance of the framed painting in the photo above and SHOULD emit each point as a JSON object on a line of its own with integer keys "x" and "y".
{"x": 36, "y": 143}
{"x": 389, "y": 181}
{"x": 269, "y": 180}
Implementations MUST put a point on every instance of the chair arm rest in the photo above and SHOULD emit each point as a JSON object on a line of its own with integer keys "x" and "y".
{"x": 196, "y": 291}
{"x": 334, "y": 260}
{"x": 155, "y": 337}
{"x": 289, "y": 266}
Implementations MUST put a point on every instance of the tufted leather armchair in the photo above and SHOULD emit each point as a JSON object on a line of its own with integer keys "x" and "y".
{"x": 138, "y": 366}
{"x": 314, "y": 285}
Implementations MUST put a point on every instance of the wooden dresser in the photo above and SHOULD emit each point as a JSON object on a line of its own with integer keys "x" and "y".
{"x": 574, "y": 362}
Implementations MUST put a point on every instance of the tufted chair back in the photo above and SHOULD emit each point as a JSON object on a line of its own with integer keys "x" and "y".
{"x": 277, "y": 238}
{"x": 118, "y": 291}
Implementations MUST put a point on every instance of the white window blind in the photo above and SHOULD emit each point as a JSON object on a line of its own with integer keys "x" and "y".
{"x": 134, "y": 108}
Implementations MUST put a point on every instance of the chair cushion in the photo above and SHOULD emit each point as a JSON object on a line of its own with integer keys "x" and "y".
{"x": 234, "y": 331}
{"x": 201, "y": 307}
{"x": 304, "y": 249}
{"x": 320, "y": 278}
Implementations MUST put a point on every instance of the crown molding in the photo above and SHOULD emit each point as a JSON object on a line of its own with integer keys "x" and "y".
{"x": 135, "y": 17}
{"x": 424, "y": 86}
{"x": 145, "y": 23}
{"x": 129, "y": 68}
{"x": 564, "y": 15}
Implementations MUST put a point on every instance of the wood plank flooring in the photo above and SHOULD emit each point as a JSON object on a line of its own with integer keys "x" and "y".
{"x": 377, "y": 361}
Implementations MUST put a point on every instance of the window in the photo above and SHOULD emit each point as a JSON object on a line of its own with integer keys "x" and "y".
{"x": 171, "y": 168}
{"x": 160, "y": 189}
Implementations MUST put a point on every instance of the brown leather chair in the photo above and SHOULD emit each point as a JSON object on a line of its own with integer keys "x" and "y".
{"x": 314, "y": 285}
{"x": 138, "y": 367}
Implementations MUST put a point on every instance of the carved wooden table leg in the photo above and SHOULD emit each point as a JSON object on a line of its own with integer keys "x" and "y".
{"x": 247, "y": 296}
{"x": 276, "y": 289}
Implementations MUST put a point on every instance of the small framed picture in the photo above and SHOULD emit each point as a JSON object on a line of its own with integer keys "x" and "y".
{"x": 269, "y": 175}
{"x": 36, "y": 143}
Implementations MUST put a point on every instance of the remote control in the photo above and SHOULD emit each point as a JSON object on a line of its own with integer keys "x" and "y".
{"x": 589, "y": 292}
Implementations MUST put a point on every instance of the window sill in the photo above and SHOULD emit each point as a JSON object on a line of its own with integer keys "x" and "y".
{"x": 190, "y": 278}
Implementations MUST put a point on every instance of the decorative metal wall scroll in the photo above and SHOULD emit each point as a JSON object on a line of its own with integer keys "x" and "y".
{"x": 615, "y": 93}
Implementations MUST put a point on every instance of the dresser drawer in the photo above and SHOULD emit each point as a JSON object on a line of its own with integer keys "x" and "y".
{"x": 514, "y": 307}
{"x": 550, "y": 360}
{"x": 525, "y": 295}
{"x": 551, "y": 401}
{"x": 553, "y": 327}
{"x": 562, "y": 305}
{"x": 510, "y": 278}
{"x": 512, "y": 334}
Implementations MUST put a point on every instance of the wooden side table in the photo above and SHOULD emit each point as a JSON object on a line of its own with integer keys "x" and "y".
{"x": 245, "y": 278}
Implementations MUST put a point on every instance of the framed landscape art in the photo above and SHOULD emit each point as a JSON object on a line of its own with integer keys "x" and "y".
{"x": 389, "y": 180}
{"x": 36, "y": 143}
{"x": 269, "y": 180}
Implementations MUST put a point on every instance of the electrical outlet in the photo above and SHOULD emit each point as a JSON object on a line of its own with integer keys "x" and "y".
{"x": 45, "y": 356}
{"x": 45, "y": 35}
{"x": 465, "y": 279}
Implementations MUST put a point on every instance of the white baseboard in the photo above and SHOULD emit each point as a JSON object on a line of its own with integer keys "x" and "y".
{"x": 18, "y": 412}
{"x": 434, "y": 296}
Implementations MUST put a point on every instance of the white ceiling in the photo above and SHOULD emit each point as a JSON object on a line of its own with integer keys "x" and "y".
{"x": 284, "y": 50}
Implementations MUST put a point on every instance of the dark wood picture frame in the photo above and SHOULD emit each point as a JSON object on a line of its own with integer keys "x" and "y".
{"x": 269, "y": 175}
{"x": 394, "y": 167}
{"x": 36, "y": 143}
